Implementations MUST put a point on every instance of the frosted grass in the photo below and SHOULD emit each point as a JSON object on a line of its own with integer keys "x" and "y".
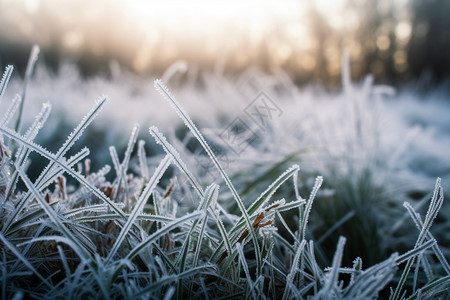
{"x": 169, "y": 246}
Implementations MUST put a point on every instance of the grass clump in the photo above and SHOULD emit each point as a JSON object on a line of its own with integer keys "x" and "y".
{"x": 131, "y": 237}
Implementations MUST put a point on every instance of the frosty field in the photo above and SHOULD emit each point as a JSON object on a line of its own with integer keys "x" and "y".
{"x": 205, "y": 185}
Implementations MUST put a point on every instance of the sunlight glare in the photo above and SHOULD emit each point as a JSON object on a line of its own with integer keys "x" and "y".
{"x": 210, "y": 15}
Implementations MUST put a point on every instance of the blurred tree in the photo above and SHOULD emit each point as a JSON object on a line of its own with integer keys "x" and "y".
{"x": 396, "y": 41}
{"x": 429, "y": 48}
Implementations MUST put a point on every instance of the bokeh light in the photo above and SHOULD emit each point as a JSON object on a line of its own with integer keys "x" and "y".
{"x": 391, "y": 39}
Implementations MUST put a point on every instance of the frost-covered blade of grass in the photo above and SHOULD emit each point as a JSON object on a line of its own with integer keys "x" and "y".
{"x": 96, "y": 208}
{"x": 416, "y": 252}
{"x": 198, "y": 246}
{"x": 315, "y": 269}
{"x": 28, "y": 73}
{"x": 45, "y": 178}
{"x": 23, "y": 259}
{"x": 225, "y": 238}
{"x": 156, "y": 235}
{"x": 433, "y": 209}
{"x": 434, "y": 289}
{"x": 263, "y": 198}
{"x": 187, "y": 120}
{"x": 63, "y": 164}
{"x": 331, "y": 279}
{"x": 23, "y": 153}
{"x": 273, "y": 187}
{"x": 137, "y": 210}
{"x": 5, "y": 79}
{"x": 211, "y": 194}
{"x": 143, "y": 160}
{"x": 78, "y": 247}
{"x": 79, "y": 130}
{"x": 115, "y": 217}
{"x": 169, "y": 149}
{"x": 305, "y": 216}
{"x": 293, "y": 271}
{"x": 436, "y": 249}
{"x": 243, "y": 262}
{"x": 121, "y": 168}
{"x": 12, "y": 220}
{"x": 9, "y": 113}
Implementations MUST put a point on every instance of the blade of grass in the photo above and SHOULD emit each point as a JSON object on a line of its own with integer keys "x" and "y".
{"x": 78, "y": 247}
{"x": 429, "y": 291}
{"x": 11, "y": 222}
{"x": 257, "y": 204}
{"x": 331, "y": 280}
{"x": 63, "y": 164}
{"x": 44, "y": 178}
{"x": 151, "y": 185}
{"x": 156, "y": 235}
{"x": 165, "y": 92}
{"x": 435, "y": 204}
{"x": 23, "y": 259}
{"x": 169, "y": 149}
{"x": 293, "y": 271}
{"x": 436, "y": 249}
{"x": 121, "y": 169}
{"x": 22, "y": 153}
{"x": 211, "y": 194}
{"x": 113, "y": 217}
{"x": 305, "y": 216}
{"x": 143, "y": 160}
{"x": 167, "y": 279}
{"x": 28, "y": 73}
{"x": 244, "y": 265}
{"x": 5, "y": 79}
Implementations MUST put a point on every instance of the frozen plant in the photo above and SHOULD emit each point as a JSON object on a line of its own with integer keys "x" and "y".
{"x": 132, "y": 237}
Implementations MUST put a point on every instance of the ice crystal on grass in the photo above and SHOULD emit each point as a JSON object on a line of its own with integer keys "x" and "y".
{"x": 5, "y": 78}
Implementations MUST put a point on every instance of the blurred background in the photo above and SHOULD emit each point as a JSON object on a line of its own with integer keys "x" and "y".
{"x": 397, "y": 41}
